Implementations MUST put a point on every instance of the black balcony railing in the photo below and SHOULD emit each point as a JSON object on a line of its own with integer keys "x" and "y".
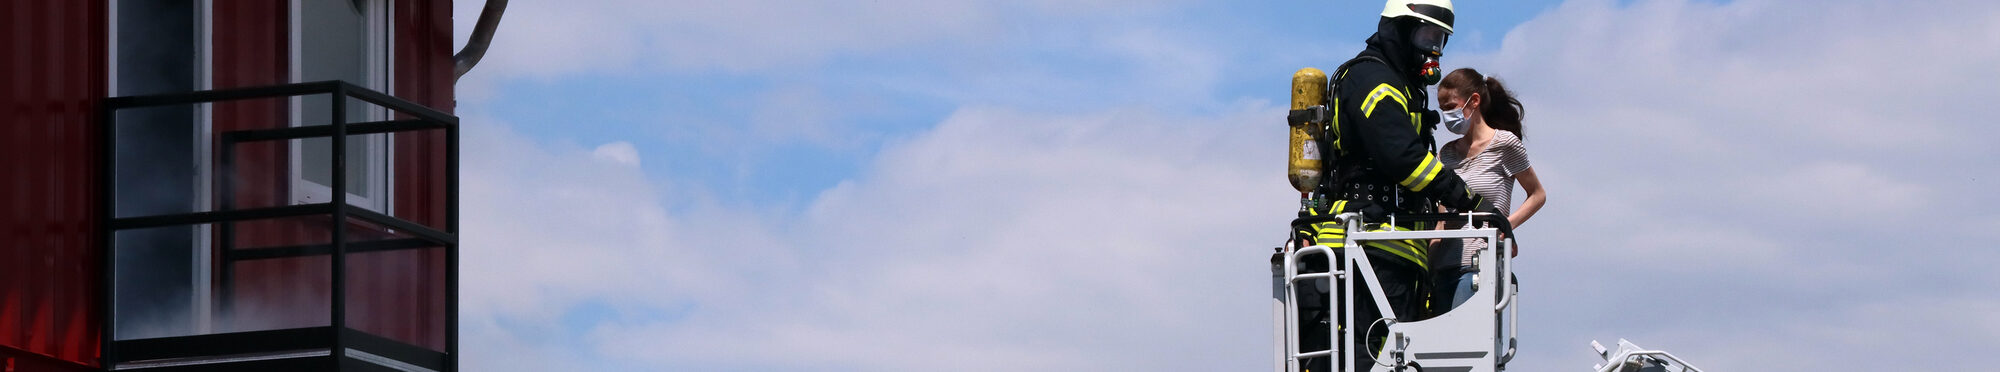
{"x": 337, "y": 346}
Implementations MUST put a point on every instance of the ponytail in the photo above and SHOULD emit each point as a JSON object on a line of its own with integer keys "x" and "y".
{"x": 1505, "y": 115}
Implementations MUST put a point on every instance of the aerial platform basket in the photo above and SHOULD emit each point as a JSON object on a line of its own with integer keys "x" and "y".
{"x": 1465, "y": 339}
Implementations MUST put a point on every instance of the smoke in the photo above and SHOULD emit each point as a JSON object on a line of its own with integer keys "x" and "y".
{"x": 155, "y": 171}
{"x": 396, "y": 294}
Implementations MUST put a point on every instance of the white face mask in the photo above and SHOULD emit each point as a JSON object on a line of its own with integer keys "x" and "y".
{"x": 1454, "y": 120}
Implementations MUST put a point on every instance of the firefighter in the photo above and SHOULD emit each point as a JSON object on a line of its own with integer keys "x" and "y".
{"x": 1384, "y": 161}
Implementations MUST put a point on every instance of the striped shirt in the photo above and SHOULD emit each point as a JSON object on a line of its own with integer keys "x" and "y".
{"x": 1489, "y": 174}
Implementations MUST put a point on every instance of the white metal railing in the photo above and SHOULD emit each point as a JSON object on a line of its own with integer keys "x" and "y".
{"x": 1353, "y": 260}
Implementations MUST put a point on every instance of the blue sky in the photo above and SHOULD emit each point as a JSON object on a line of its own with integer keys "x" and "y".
{"x": 1094, "y": 184}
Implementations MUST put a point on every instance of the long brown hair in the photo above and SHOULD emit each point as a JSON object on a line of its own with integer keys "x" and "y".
{"x": 1504, "y": 116}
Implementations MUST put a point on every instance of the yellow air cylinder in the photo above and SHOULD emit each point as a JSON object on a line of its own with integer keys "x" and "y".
{"x": 1308, "y": 90}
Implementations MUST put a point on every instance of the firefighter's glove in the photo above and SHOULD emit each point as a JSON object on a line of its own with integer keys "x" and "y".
{"x": 1465, "y": 201}
{"x": 1322, "y": 232}
{"x": 1481, "y": 205}
{"x": 1309, "y": 233}
{"x": 1485, "y": 207}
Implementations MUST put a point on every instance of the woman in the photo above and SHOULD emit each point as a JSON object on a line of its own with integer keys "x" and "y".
{"x": 1489, "y": 156}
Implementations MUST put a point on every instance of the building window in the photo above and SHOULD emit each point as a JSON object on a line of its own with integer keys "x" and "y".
{"x": 345, "y": 40}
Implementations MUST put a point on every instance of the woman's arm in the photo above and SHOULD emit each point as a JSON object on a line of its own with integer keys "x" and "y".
{"x": 1536, "y": 197}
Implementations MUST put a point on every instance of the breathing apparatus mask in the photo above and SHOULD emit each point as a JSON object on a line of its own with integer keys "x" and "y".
{"x": 1429, "y": 39}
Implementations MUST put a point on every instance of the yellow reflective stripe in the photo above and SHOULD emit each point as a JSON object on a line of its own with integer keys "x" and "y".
{"x": 1430, "y": 166}
{"x": 1412, "y": 250}
{"x": 1407, "y": 252}
{"x": 1330, "y": 235}
{"x": 1335, "y": 127}
{"x": 1331, "y": 241}
{"x": 1422, "y": 249}
{"x": 1375, "y": 96}
{"x": 1428, "y": 177}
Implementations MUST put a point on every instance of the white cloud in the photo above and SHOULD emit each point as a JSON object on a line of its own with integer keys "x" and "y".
{"x": 553, "y": 229}
{"x": 620, "y": 152}
{"x": 559, "y": 225}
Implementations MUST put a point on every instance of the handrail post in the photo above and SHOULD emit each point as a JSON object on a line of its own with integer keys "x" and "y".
{"x": 339, "y": 311}
{"x": 107, "y": 192}
{"x": 1291, "y": 343}
{"x": 1350, "y": 223}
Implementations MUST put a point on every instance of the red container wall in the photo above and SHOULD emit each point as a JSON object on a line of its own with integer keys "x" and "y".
{"x": 401, "y": 294}
{"x": 250, "y": 50}
{"x": 406, "y": 289}
{"x": 52, "y": 74}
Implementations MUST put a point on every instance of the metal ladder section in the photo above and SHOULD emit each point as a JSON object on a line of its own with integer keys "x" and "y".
{"x": 1631, "y": 358}
{"x": 1460, "y": 340}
